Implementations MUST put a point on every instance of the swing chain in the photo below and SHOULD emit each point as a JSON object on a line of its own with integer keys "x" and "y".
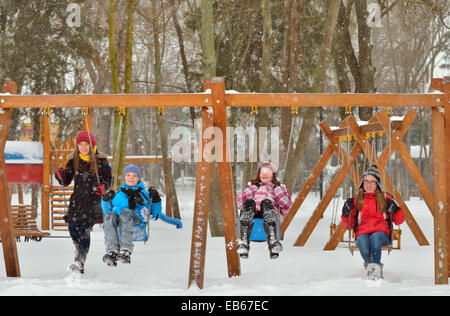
{"x": 85, "y": 111}
{"x": 122, "y": 111}
{"x": 294, "y": 110}
{"x": 348, "y": 110}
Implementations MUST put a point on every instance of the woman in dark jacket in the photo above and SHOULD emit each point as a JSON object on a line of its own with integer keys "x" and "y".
{"x": 91, "y": 173}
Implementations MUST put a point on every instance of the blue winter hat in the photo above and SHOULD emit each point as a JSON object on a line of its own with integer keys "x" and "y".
{"x": 132, "y": 168}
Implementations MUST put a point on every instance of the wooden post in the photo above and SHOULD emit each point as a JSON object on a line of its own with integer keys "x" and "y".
{"x": 226, "y": 178}
{"x": 447, "y": 155}
{"x": 6, "y": 225}
{"x": 440, "y": 216}
{"x": 441, "y": 175}
{"x": 46, "y": 174}
{"x": 201, "y": 208}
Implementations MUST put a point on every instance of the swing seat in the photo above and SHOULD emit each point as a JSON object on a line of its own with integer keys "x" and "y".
{"x": 258, "y": 234}
{"x": 139, "y": 232}
{"x": 395, "y": 245}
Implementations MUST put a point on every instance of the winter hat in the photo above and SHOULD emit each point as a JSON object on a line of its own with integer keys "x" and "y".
{"x": 269, "y": 166}
{"x": 132, "y": 168}
{"x": 372, "y": 171}
{"x": 84, "y": 137}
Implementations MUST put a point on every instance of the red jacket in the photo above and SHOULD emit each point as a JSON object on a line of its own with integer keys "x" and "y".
{"x": 369, "y": 219}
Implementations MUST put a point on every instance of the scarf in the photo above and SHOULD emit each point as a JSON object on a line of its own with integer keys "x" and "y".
{"x": 86, "y": 157}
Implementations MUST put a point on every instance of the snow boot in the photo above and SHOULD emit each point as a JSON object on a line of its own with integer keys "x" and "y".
{"x": 374, "y": 272}
{"x": 77, "y": 265}
{"x": 273, "y": 241}
{"x": 124, "y": 256}
{"x": 110, "y": 259}
{"x": 245, "y": 228}
{"x": 270, "y": 227}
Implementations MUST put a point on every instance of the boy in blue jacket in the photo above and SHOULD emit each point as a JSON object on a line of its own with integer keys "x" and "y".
{"x": 128, "y": 207}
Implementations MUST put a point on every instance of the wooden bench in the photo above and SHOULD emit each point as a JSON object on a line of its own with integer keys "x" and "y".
{"x": 396, "y": 243}
{"x": 396, "y": 240}
{"x": 25, "y": 223}
{"x": 60, "y": 199}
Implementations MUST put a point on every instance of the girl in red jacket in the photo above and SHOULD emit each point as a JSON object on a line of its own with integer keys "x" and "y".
{"x": 371, "y": 214}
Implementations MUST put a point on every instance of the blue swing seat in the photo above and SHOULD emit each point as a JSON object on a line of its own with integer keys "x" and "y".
{"x": 139, "y": 232}
{"x": 258, "y": 233}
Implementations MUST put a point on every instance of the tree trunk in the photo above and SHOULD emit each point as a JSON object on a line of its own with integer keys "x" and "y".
{"x": 121, "y": 120}
{"x": 367, "y": 71}
{"x": 172, "y": 196}
{"x": 294, "y": 161}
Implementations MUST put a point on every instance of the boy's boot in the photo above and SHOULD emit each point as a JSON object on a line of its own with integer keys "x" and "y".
{"x": 110, "y": 259}
{"x": 124, "y": 256}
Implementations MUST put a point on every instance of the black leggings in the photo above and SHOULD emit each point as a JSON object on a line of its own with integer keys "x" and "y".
{"x": 81, "y": 236}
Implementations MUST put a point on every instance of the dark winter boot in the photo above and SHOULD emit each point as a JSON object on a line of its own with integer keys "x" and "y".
{"x": 124, "y": 256}
{"x": 78, "y": 264}
{"x": 110, "y": 259}
{"x": 270, "y": 227}
{"x": 245, "y": 227}
{"x": 273, "y": 241}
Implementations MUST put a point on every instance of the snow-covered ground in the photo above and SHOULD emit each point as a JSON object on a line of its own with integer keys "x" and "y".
{"x": 161, "y": 266}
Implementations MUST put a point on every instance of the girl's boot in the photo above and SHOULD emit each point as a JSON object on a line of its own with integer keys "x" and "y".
{"x": 270, "y": 227}
{"x": 245, "y": 228}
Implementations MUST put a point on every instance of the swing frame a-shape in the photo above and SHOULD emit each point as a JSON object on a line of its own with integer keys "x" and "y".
{"x": 214, "y": 113}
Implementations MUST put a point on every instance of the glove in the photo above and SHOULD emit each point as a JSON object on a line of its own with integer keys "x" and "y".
{"x": 133, "y": 197}
{"x": 109, "y": 195}
{"x": 66, "y": 218}
{"x": 392, "y": 207}
{"x": 154, "y": 194}
{"x": 59, "y": 175}
{"x": 348, "y": 207}
{"x": 100, "y": 190}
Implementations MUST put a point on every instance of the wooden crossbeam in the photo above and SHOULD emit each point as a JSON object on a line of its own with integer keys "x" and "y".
{"x": 204, "y": 99}
{"x": 368, "y": 128}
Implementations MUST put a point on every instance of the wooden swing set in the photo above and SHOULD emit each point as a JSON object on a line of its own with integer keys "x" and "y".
{"x": 214, "y": 113}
